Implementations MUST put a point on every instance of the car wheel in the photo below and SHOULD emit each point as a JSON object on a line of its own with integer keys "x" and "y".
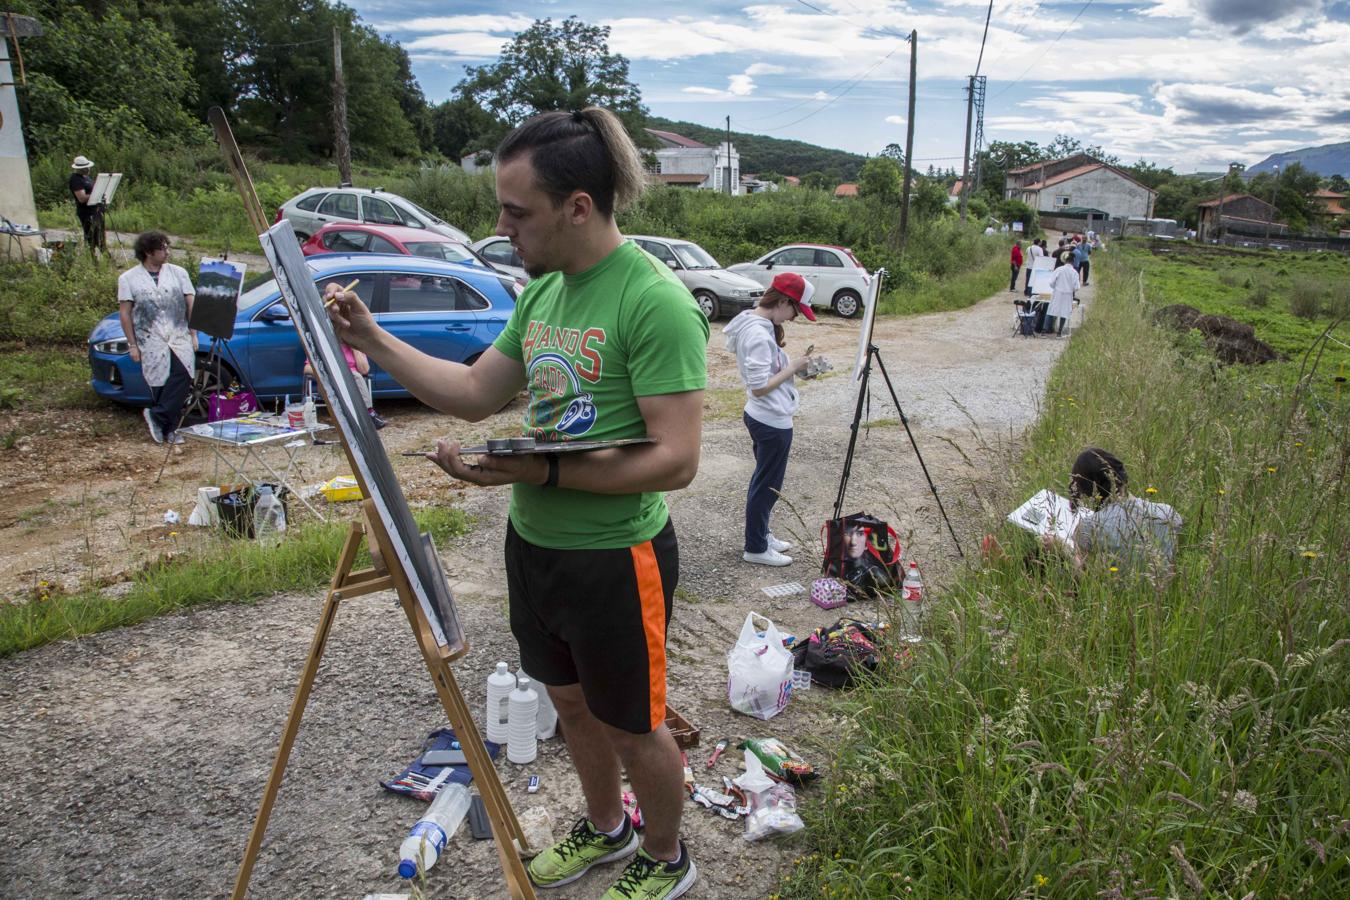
{"x": 847, "y": 304}
{"x": 207, "y": 380}
{"x": 708, "y": 303}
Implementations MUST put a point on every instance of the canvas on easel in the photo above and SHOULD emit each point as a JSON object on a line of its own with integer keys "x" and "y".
{"x": 404, "y": 559}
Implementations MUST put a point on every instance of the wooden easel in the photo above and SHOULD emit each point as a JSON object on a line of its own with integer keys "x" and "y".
{"x": 346, "y": 585}
{"x": 388, "y": 572}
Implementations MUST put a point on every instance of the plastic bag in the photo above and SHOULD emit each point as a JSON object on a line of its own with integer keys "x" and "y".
{"x": 759, "y": 682}
{"x": 773, "y": 805}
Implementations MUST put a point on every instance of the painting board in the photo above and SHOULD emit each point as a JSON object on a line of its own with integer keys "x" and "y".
{"x": 1047, "y": 513}
{"x": 105, "y": 186}
{"x": 373, "y": 470}
{"x": 216, "y": 303}
{"x": 868, "y": 323}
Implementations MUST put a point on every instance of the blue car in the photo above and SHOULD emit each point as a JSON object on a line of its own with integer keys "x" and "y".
{"x": 449, "y": 310}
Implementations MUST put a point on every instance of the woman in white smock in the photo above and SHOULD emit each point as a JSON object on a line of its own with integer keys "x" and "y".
{"x": 1063, "y": 285}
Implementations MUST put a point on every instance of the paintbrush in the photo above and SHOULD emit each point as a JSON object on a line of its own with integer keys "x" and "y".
{"x": 345, "y": 290}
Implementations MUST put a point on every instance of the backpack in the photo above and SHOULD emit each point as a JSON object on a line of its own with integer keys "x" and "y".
{"x": 836, "y": 655}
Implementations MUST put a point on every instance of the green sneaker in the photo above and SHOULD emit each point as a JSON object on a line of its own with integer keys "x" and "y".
{"x": 646, "y": 878}
{"x": 573, "y": 856}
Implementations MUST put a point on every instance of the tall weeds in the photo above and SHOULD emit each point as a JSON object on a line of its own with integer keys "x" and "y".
{"x": 1091, "y": 734}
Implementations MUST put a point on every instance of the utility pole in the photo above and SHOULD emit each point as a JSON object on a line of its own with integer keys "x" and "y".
{"x": 909, "y": 139}
{"x": 965, "y": 167}
{"x": 729, "y": 190}
{"x": 1274, "y": 190}
{"x": 341, "y": 147}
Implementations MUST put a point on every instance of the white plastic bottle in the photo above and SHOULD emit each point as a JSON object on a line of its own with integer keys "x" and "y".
{"x": 311, "y": 415}
{"x": 521, "y": 745}
{"x": 911, "y": 597}
{"x": 269, "y": 516}
{"x": 499, "y": 686}
{"x": 546, "y": 720}
{"x": 423, "y": 845}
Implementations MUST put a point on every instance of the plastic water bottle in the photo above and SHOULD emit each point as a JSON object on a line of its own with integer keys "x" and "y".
{"x": 311, "y": 417}
{"x": 269, "y": 516}
{"x": 423, "y": 845}
{"x": 499, "y": 686}
{"x": 521, "y": 746}
{"x": 546, "y": 720}
{"x": 911, "y": 596}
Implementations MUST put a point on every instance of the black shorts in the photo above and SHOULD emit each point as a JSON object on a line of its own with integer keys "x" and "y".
{"x": 597, "y": 618}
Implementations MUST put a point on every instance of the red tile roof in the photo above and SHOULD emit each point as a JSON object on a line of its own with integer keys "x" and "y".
{"x": 1230, "y": 198}
{"x": 847, "y": 189}
{"x": 955, "y": 190}
{"x": 1048, "y": 162}
{"x": 678, "y": 140}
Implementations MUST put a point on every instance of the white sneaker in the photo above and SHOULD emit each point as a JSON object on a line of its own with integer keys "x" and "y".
{"x": 175, "y": 438}
{"x": 155, "y": 433}
{"x": 769, "y": 557}
{"x": 780, "y": 546}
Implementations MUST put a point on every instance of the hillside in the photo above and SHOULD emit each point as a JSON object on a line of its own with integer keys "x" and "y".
{"x": 766, "y": 154}
{"x": 1329, "y": 159}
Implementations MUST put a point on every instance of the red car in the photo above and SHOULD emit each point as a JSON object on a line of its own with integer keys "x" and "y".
{"x": 353, "y": 237}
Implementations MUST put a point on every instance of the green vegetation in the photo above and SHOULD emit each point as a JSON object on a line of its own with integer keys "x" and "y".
{"x": 45, "y": 378}
{"x": 1079, "y": 735}
{"x": 225, "y": 571}
{"x": 1289, "y": 298}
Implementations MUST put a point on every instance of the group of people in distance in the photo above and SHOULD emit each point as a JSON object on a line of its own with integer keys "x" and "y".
{"x": 1074, "y": 255}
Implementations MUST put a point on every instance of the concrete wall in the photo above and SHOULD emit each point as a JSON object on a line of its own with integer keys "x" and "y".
{"x": 707, "y": 161}
{"x": 16, "y": 185}
{"x": 1100, "y": 189}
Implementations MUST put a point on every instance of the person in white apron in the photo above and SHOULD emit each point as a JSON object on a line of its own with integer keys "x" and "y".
{"x": 154, "y": 302}
{"x": 1063, "y": 285}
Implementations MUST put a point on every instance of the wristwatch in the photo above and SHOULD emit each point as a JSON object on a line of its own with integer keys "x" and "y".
{"x": 552, "y": 479}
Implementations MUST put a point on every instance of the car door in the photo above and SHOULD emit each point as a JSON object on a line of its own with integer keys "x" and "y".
{"x": 801, "y": 260}
{"x": 345, "y": 241}
{"x": 302, "y": 213}
{"x": 275, "y": 361}
{"x": 339, "y": 206}
{"x": 438, "y": 314}
{"x": 376, "y": 211}
{"x": 830, "y": 274}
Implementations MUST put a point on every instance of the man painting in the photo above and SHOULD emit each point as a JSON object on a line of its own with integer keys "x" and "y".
{"x": 609, "y": 345}
{"x": 81, "y": 186}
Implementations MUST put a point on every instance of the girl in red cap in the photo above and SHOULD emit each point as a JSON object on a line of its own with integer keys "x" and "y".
{"x": 756, "y": 336}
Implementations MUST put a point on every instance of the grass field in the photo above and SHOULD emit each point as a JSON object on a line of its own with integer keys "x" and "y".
{"x": 1092, "y": 734}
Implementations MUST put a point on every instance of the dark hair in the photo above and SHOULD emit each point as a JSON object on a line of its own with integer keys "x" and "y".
{"x": 1096, "y": 475}
{"x": 587, "y": 150}
{"x": 148, "y": 242}
{"x": 774, "y": 297}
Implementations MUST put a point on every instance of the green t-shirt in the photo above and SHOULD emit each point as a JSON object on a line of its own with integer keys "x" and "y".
{"x": 592, "y": 343}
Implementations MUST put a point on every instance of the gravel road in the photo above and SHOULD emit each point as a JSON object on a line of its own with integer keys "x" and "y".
{"x": 132, "y": 762}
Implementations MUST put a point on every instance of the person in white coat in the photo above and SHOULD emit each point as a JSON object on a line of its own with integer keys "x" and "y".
{"x": 154, "y": 302}
{"x": 756, "y": 337}
{"x": 1064, "y": 285}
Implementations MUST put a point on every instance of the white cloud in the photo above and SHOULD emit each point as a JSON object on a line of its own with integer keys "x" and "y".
{"x": 740, "y": 85}
{"x": 896, "y": 120}
{"x": 506, "y": 24}
{"x": 463, "y": 45}
{"x": 765, "y": 69}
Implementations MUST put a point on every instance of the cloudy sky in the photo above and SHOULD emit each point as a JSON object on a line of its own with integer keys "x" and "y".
{"x": 1188, "y": 83}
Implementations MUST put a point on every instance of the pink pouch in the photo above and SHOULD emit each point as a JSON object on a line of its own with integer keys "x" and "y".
{"x": 223, "y": 406}
{"x": 828, "y": 593}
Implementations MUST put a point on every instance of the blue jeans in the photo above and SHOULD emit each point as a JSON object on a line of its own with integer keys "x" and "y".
{"x": 771, "y": 446}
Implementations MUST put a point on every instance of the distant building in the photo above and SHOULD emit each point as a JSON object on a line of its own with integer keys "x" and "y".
{"x": 1330, "y": 203}
{"x": 954, "y": 193}
{"x": 1240, "y": 213}
{"x": 1079, "y": 180}
{"x": 847, "y": 189}
{"x": 478, "y": 161}
{"x": 679, "y": 159}
{"x": 792, "y": 181}
{"x": 752, "y": 184}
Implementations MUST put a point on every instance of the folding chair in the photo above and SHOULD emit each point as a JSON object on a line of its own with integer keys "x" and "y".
{"x": 1024, "y": 320}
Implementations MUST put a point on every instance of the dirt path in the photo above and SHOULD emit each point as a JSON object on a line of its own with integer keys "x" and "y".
{"x": 131, "y": 762}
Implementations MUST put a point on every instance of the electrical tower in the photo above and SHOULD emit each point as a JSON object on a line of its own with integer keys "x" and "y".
{"x": 977, "y": 86}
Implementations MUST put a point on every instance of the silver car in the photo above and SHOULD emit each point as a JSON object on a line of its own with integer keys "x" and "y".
{"x": 316, "y": 207}
{"x": 499, "y": 253}
{"x": 718, "y": 292}
{"x": 840, "y": 280}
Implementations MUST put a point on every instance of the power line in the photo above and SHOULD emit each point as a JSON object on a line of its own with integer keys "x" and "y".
{"x": 865, "y": 28}
{"x": 1046, "y": 50}
{"x": 831, "y": 101}
{"x": 987, "y": 16}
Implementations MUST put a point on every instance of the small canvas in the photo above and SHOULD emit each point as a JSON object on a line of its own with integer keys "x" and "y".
{"x": 1046, "y": 512}
{"x": 868, "y": 323}
{"x": 216, "y": 304}
{"x": 1040, "y": 279}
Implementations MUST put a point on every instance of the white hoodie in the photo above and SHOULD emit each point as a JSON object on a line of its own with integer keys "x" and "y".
{"x": 759, "y": 358}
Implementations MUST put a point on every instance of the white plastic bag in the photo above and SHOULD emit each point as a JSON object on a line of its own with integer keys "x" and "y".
{"x": 760, "y": 671}
{"x": 773, "y": 805}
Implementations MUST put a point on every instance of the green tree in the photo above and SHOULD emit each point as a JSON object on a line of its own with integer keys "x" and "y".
{"x": 461, "y": 126}
{"x": 817, "y": 180}
{"x": 1338, "y": 184}
{"x": 880, "y": 179}
{"x": 550, "y": 67}
{"x": 929, "y": 199}
{"x": 895, "y": 152}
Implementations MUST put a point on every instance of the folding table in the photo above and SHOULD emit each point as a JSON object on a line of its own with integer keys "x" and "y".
{"x": 251, "y": 436}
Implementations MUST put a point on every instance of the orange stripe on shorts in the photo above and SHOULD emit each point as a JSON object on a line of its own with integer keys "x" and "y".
{"x": 653, "y": 600}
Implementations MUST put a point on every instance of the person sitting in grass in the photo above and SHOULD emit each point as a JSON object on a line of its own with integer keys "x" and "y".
{"x": 1128, "y": 533}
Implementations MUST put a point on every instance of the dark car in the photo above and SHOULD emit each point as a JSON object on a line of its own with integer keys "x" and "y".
{"x": 449, "y": 310}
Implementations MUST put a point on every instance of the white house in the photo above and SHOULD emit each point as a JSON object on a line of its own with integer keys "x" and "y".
{"x": 1079, "y": 182}
{"x": 686, "y": 162}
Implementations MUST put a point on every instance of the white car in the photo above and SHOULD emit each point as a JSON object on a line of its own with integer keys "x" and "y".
{"x": 717, "y": 291}
{"x": 840, "y": 280}
{"x": 312, "y": 209}
{"x": 499, "y": 253}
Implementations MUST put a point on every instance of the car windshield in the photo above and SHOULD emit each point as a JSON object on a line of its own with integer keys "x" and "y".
{"x": 439, "y": 250}
{"x": 694, "y": 257}
{"x": 423, "y": 213}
